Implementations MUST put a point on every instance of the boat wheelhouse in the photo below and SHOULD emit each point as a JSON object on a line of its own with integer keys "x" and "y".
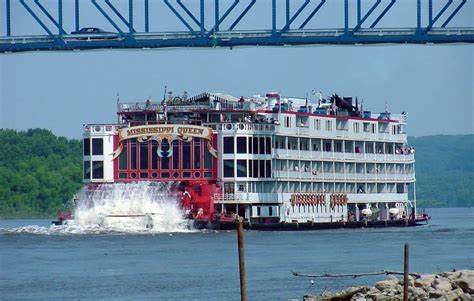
{"x": 277, "y": 162}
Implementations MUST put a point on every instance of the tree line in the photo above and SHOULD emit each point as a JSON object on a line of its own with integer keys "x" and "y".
{"x": 40, "y": 172}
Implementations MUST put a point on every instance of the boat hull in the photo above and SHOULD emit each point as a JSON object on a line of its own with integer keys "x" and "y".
{"x": 216, "y": 225}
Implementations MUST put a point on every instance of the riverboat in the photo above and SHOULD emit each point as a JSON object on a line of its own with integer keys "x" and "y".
{"x": 278, "y": 163}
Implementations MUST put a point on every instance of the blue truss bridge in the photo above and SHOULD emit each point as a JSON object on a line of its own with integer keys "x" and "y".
{"x": 60, "y": 25}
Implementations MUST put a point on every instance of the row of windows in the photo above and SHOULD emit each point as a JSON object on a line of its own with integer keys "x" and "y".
{"x": 164, "y": 175}
{"x": 184, "y": 155}
{"x": 97, "y": 146}
{"x": 314, "y": 208}
{"x": 247, "y": 145}
{"x": 337, "y": 146}
{"x": 315, "y": 187}
{"x": 349, "y": 167}
{"x": 247, "y": 168}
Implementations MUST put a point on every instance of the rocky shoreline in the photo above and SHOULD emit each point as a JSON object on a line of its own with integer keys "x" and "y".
{"x": 455, "y": 285}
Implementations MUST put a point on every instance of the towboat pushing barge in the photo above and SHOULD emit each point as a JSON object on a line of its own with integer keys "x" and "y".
{"x": 279, "y": 163}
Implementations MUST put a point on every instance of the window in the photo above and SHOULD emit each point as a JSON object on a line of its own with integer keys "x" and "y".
{"x": 327, "y": 146}
{"x": 241, "y": 168}
{"x": 250, "y": 145}
{"x": 133, "y": 154}
{"x": 241, "y": 188}
{"x": 317, "y": 124}
{"x": 165, "y": 160}
{"x": 261, "y": 149}
{"x": 288, "y": 122}
{"x": 87, "y": 170}
{"x": 258, "y": 211}
{"x": 328, "y": 125}
{"x": 356, "y": 127}
{"x": 255, "y": 145}
{"x": 97, "y": 146}
{"x": 87, "y": 147}
{"x": 197, "y": 154}
{"x": 270, "y": 211}
{"x": 228, "y": 168}
{"x": 268, "y": 169}
{"x": 373, "y": 128}
{"x": 255, "y": 168}
{"x": 261, "y": 173}
{"x": 97, "y": 169}
{"x": 186, "y": 155}
{"x": 123, "y": 159}
{"x": 176, "y": 155}
{"x": 144, "y": 155}
{"x": 207, "y": 159}
{"x": 268, "y": 145}
{"x": 154, "y": 155}
{"x": 228, "y": 145}
{"x": 241, "y": 145}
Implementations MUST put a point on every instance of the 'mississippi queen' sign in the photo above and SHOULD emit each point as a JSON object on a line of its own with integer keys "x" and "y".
{"x": 169, "y": 132}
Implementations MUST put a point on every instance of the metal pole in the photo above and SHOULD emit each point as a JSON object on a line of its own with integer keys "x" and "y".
{"x": 9, "y": 30}
{"x": 405, "y": 273}
{"x": 76, "y": 14}
{"x": 240, "y": 242}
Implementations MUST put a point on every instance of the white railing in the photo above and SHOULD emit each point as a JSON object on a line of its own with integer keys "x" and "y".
{"x": 330, "y": 176}
{"x": 229, "y": 197}
{"x": 100, "y": 128}
{"x": 242, "y": 127}
{"x": 377, "y": 197}
{"x": 301, "y": 154}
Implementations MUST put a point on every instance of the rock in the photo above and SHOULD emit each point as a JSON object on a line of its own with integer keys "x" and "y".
{"x": 442, "y": 284}
{"x": 456, "y": 294}
{"x": 467, "y": 297}
{"x": 435, "y": 294}
{"x": 391, "y": 277}
{"x": 424, "y": 281}
{"x": 386, "y": 284}
{"x": 310, "y": 298}
{"x": 417, "y": 293}
{"x": 446, "y": 274}
{"x": 464, "y": 283}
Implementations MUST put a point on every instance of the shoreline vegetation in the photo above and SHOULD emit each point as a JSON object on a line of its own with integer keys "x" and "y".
{"x": 40, "y": 172}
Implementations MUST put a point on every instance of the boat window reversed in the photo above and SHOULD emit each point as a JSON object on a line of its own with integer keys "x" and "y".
{"x": 241, "y": 145}
{"x": 87, "y": 170}
{"x": 97, "y": 146}
{"x": 228, "y": 145}
{"x": 97, "y": 169}
{"x": 228, "y": 168}
{"x": 241, "y": 168}
{"x": 87, "y": 147}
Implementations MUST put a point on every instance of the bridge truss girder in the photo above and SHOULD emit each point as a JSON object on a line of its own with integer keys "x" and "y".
{"x": 205, "y": 21}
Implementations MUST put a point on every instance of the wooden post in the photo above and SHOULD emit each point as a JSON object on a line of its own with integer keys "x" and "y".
{"x": 240, "y": 241}
{"x": 405, "y": 273}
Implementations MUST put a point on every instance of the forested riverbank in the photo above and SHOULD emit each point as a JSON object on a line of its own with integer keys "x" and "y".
{"x": 39, "y": 172}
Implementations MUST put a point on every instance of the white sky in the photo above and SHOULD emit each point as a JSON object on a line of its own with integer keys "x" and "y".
{"x": 63, "y": 90}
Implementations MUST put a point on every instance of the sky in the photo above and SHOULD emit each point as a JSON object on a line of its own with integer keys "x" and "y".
{"x": 61, "y": 91}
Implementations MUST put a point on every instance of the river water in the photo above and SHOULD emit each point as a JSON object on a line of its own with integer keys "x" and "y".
{"x": 39, "y": 262}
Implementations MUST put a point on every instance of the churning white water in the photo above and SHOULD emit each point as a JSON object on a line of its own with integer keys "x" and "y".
{"x": 130, "y": 207}
{"x": 134, "y": 208}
